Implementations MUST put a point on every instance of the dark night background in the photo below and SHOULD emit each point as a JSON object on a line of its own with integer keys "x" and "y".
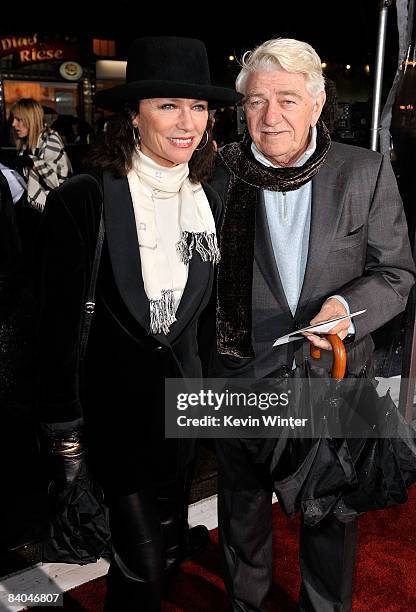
{"x": 341, "y": 32}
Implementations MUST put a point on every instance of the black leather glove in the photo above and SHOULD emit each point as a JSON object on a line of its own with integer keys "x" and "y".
{"x": 61, "y": 444}
{"x": 24, "y": 161}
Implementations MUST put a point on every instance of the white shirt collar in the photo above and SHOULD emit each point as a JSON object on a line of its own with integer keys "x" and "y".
{"x": 302, "y": 159}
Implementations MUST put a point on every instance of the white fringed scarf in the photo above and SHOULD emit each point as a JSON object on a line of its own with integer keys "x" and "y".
{"x": 148, "y": 181}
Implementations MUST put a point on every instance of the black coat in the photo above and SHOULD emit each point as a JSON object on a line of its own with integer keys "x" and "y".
{"x": 123, "y": 404}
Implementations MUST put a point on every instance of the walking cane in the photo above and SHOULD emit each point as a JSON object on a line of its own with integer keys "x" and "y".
{"x": 339, "y": 364}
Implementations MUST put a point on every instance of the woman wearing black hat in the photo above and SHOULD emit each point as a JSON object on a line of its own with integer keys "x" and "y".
{"x": 154, "y": 280}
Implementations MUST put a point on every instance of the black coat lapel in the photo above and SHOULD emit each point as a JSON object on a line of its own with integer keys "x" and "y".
{"x": 124, "y": 253}
{"x": 264, "y": 254}
{"x": 200, "y": 275}
{"x": 123, "y": 247}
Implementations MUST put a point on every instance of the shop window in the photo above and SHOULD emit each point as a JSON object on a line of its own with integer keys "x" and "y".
{"x": 104, "y": 48}
{"x": 58, "y": 99}
{"x": 62, "y": 97}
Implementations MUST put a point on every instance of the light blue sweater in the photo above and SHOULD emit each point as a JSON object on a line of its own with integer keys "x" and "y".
{"x": 289, "y": 221}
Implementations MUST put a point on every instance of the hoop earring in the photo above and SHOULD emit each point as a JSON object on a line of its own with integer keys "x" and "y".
{"x": 206, "y": 142}
{"x": 136, "y": 136}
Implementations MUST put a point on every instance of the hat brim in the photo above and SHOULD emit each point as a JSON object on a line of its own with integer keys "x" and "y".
{"x": 113, "y": 98}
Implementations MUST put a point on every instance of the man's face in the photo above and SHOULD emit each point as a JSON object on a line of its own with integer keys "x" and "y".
{"x": 280, "y": 113}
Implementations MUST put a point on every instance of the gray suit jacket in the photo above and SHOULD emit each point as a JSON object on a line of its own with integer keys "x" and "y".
{"x": 358, "y": 248}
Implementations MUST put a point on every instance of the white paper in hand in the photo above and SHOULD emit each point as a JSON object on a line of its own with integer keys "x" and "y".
{"x": 319, "y": 328}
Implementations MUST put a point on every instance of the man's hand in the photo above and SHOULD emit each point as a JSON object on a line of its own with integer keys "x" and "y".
{"x": 331, "y": 309}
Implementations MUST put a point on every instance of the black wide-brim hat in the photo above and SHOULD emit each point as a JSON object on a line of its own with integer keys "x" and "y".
{"x": 167, "y": 67}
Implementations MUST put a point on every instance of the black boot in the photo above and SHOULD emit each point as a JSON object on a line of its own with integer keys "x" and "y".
{"x": 196, "y": 540}
{"x": 130, "y": 592}
{"x": 180, "y": 541}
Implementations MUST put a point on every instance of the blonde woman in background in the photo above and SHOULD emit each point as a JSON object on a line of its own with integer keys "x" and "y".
{"x": 41, "y": 159}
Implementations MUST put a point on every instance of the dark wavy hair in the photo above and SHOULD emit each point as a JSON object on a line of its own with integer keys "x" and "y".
{"x": 113, "y": 149}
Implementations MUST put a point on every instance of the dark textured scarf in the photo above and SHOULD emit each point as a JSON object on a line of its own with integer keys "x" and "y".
{"x": 235, "y": 273}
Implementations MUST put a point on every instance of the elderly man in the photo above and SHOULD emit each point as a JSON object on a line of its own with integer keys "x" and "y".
{"x": 312, "y": 230}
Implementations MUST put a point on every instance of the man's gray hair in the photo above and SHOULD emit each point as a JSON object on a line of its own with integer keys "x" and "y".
{"x": 284, "y": 54}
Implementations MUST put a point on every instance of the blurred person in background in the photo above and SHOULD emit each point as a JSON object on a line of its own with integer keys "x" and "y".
{"x": 41, "y": 159}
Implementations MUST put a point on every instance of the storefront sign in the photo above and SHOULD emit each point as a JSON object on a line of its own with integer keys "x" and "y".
{"x": 10, "y": 44}
{"x": 29, "y": 50}
{"x": 72, "y": 71}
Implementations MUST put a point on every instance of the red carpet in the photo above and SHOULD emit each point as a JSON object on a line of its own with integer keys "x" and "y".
{"x": 385, "y": 570}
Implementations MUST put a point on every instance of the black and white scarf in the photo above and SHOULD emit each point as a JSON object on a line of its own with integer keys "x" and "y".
{"x": 51, "y": 167}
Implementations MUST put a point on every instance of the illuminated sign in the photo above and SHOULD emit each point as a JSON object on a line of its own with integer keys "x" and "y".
{"x": 71, "y": 71}
{"x": 30, "y": 50}
{"x": 10, "y": 44}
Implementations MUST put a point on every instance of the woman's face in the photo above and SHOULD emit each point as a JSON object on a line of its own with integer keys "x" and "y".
{"x": 20, "y": 127}
{"x": 171, "y": 128}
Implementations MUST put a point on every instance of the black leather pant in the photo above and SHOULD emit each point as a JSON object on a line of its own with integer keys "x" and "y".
{"x": 327, "y": 551}
{"x": 147, "y": 530}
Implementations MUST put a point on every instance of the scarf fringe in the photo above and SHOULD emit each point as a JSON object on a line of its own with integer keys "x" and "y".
{"x": 35, "y": 204}
{"x": 162, "y": 313}
{"x": 195, "y": 240}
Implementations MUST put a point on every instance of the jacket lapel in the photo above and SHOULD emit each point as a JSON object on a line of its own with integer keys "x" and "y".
{"x": 199, "y": 274}
{"x": 326, "y": 211}
{"x": 124, "y": 253}
{"x": 120, "y": 226}
{"x": 264, "y": 254}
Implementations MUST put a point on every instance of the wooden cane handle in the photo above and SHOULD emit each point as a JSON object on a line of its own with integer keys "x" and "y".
{"x": 315, "y": 352}
{"x": 339, "y": 364}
